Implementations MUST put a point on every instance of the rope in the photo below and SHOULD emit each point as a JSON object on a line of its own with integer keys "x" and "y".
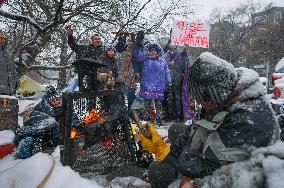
{"x": 44, "y": 180}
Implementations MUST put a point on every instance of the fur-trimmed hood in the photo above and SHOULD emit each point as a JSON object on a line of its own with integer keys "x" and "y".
{"x": 248, "y": 85}
{"x": 153, "y": 45}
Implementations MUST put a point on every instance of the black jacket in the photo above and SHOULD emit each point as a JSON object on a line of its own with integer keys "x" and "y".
{"x": 249, "y": 122}
{"x": 86, "y": 51}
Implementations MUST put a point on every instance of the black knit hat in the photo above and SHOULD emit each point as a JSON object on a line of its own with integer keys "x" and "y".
{"x": 51, "y": 92}
{"x": 212, "y": 79}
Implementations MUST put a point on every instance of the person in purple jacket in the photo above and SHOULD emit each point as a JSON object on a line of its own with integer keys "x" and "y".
{"x": 154, "y": 78}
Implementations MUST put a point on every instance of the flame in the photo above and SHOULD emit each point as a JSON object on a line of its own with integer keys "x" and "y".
{"x": 108, "y": 143}
{"x": 74, "y": 133}
{"x": 93, "y": 116}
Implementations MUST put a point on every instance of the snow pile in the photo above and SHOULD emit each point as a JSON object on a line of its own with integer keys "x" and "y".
{"x": 130, "y": 181}
{"x": 6, "y": 137}
{"x": 264, "y": 169}
{"x": 30, "y": 172}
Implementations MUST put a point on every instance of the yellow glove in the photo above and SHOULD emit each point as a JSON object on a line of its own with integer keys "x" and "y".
{"x": 155, "y": 144}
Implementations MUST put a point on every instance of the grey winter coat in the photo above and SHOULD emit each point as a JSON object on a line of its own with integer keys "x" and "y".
{"x": 8, "y": 74}
{"x": 247, "y": 122}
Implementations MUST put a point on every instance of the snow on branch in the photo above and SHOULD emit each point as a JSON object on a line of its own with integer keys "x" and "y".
{"x": 46, "y": 77}
{"x": 54, "y": 68}
{"x": 20, "y": 18}
{"x": 56, "y": 16}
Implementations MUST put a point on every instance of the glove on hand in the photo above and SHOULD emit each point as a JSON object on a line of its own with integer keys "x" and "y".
{"x": 155, "y": 144}
{"x": 140, "y": 37}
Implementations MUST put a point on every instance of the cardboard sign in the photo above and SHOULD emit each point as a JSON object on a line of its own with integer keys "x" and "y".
{"x": 195, "y": 34}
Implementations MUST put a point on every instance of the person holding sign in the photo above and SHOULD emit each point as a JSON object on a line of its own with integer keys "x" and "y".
{"x": 154, "y": 78}
{"x": 238, "y": 117}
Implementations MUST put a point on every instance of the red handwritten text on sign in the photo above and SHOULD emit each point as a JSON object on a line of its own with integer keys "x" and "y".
{"x": 195, "y": 34}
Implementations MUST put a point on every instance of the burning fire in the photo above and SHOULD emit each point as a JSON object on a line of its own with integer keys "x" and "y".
{"x": 93, "y": 116}
{"x": 74, "y": 133}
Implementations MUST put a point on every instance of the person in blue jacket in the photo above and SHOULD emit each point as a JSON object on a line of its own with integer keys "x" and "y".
{"x": 41, "y": 130}
{"x": 155, "y": 77}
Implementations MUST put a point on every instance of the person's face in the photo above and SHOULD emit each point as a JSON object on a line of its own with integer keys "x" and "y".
{"x": 96, "y": 41}
{"x": 153, "y": 54}
{"x": 56, "y": 102}
{"x": 110, "y": 52}
{"x": 3, "y": 40}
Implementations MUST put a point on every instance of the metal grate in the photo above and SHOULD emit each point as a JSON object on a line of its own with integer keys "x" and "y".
{"x": 111, "y": 104}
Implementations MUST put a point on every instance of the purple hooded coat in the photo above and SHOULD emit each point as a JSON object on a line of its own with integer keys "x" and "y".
{"x": 155, "y": 73}
{"x": 187, "y": 113}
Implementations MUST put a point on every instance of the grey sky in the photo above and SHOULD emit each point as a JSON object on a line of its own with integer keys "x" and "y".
{"x": 209, "y": 5}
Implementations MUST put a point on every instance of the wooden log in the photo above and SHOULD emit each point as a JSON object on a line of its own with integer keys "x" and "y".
{"x": 8, "y": 112}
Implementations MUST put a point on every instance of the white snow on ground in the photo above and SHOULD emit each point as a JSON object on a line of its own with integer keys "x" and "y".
{"x": 6, "y": 137}
{"x": 30, "y": 172}
{"x": 274, "y": 171}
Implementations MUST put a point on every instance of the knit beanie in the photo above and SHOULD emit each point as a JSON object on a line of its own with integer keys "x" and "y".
{"x": 211, "y": 79}
{"x": 110, "y": 46}
{"x": 51, "y": 93}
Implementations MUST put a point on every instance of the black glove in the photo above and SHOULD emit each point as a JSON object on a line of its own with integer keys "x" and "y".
{"x": 121, "y": 45}
{"x": 140, "y": 37}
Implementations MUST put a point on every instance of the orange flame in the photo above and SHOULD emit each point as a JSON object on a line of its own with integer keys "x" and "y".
{"x": 93, "y": 116}
{"x": 74, "y": 133}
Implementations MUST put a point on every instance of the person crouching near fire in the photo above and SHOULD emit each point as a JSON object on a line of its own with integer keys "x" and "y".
{"x": 41, "y": 131}
{"x": 240, "y": 118}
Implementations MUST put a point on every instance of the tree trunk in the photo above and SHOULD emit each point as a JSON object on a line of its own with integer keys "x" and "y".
{"x": 63, "y": 62}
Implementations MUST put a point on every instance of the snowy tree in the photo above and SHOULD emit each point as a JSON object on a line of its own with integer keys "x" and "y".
{"x": 247, "y": 36}
{"x": 37, "y": 28}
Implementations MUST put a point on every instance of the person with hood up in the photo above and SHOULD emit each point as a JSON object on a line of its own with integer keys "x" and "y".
{"x": 238, "y": 119}
{"x": 8, "y": 74}
{"x": 41, "y": 130}
{"x": 155, "y": 77}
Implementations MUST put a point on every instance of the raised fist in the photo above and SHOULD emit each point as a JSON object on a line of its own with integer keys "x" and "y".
{"x": 69, "y": 30}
